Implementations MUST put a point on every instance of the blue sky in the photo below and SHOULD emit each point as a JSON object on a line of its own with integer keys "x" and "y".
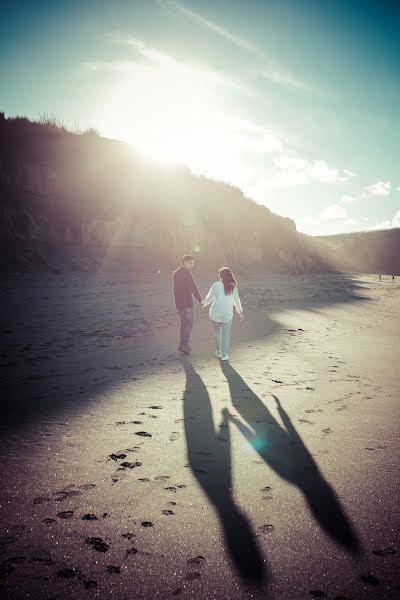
{"x": 296, "y": 102}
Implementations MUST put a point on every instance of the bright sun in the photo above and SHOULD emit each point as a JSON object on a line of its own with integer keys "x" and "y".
{"x": 167, "y": 113}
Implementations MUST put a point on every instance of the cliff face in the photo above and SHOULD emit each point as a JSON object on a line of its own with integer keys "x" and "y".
{"x": 73, "y": 201}
{"x": 363, "y": 252}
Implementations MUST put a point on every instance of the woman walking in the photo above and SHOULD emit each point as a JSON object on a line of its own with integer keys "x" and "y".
{"x": 224, "y": 296}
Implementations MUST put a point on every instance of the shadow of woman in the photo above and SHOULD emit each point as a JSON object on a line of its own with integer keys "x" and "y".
{"x": 284, "y": 451}
{"x": 209, "y": 455}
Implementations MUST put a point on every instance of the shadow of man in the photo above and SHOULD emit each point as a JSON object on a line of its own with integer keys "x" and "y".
{"x": 209, "y": 455}
{"x": 284, "y": 451}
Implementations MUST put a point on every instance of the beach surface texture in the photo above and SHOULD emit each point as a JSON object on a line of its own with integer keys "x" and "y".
{"x": 131, "y": 471}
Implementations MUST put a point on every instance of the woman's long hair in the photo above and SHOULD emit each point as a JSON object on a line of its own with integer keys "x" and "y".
{"x": 228, "y": 279}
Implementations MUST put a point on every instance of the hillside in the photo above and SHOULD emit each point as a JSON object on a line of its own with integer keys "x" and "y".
{"x": 81, "y": 202}
{"x": 363, "y": 252}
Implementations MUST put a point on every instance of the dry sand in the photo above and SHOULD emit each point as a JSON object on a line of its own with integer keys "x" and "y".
{"x": 130, "y": 472}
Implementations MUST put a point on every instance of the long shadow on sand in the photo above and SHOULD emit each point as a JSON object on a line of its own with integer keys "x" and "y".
{"x": 282, "y": 448}
{"x": 209, "y": 454}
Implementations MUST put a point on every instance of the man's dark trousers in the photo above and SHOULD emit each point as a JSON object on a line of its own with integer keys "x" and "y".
{"x": 187, "y": 318}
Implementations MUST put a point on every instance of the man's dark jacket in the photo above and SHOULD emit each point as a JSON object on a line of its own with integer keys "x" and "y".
{"x": 185, "y": 288}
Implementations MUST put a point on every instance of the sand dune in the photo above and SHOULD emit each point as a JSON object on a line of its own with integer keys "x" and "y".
{"x": 129, "y": 471}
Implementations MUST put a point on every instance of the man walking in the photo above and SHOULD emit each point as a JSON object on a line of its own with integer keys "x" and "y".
{"x": 184, "y": 289}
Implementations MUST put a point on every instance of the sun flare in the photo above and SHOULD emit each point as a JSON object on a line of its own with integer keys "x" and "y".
{"x": 168, "y": 114}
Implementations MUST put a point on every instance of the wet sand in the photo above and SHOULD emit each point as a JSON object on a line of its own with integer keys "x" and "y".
{"x": 129, "y": 471}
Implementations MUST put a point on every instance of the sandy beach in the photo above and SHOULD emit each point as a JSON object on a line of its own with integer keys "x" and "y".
{"x": 130, "y": 471}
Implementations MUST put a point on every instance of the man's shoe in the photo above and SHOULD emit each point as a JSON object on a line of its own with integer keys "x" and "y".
{"x": 184, "y": 350}
{"x": 224, "y": 357}
{"x": 189, "y": 348}
{"x": 218, "y": 354}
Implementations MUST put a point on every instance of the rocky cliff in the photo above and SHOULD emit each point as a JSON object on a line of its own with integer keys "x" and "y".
{"x": 78, "y": 201}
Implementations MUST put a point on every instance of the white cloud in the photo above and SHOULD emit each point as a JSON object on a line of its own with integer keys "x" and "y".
{"x": 164, "y": 61}
{"x": 294, "y": 170}
{"x": 318, "y": 170}
{"x": 248, "y": 135}
{"x": 315, "y": 224}
{"x": 335, "y": 211}
{"x": 347, "y": 199}
{"x": 380, "y": 188}
{"x": 394, "y": 223}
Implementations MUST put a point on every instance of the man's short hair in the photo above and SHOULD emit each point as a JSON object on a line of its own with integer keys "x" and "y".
{"x": 186, "y": 258}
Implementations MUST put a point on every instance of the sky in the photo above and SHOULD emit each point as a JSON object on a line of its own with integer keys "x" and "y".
{"x": 296, "y": 102}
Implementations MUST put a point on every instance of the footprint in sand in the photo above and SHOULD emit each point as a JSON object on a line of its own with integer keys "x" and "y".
{"x": 64, "y": 494}
{"x": 370, "y": 579}
{"x": 113, "y": 569}
{"x": 98, "y": 544}
{"x": 89, "y": 517}
{"x": 41, "y": 500}
{"x": 66, "y": 514}
{"x": 87, "y": 486}
{"x": 147, "y": 524}
{"x": 41, "y": 556}
{"x": 118, "y": 456}
{"x": 68, "y": 573}
{"x": 168, "y": 512}
{"x": 162, "y": 478}
{"x": 129, "y": 465}
{"x": 48, "y": 521}
{"x": 197, "y": 562}
{"x": 174, "y": 435}
{"x": 266, "y": 528}
{"x": 116, "y": 478}
{"x": 143, "y": 433}
{"x": 385, "y": 551}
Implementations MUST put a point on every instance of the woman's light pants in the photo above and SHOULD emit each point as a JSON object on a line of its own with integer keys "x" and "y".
{"x": 222, "y": 335}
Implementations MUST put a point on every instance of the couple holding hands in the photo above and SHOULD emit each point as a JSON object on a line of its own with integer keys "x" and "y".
{"x": 223, "y": 295}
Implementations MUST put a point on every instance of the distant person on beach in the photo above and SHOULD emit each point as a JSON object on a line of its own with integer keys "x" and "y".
{"x": 184, "y": 289}
{"x": 380, "y": 277}
{"x": 392, "y": 277}
{"x": 224, "y": 296}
